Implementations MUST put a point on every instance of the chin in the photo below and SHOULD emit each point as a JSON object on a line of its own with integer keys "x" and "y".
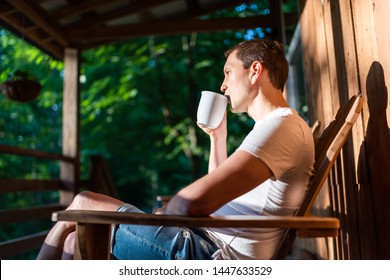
{"x": 235, "y": 110}
{"x": 232, "y": 110}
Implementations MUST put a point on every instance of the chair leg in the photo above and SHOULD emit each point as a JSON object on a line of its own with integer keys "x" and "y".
{"x": 93, "y": 242}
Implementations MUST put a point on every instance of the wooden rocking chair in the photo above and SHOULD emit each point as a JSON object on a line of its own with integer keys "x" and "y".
{"x": 94, "y": 227}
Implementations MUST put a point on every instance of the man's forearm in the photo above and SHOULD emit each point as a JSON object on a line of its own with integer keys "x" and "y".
{"x": 218, "y": 152}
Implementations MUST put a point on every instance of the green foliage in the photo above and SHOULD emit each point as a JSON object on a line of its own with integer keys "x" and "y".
{"x": 36, "y": 124}
{"x": 20, "y": 75}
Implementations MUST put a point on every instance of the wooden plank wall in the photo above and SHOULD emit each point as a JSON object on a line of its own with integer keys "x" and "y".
{"x": 345, "y": 47}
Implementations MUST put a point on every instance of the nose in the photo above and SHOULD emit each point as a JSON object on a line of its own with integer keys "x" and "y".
{"x": 223, "y": 87}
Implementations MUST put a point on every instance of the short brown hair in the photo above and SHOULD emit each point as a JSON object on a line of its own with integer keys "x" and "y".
{"x": 268, "y": 52}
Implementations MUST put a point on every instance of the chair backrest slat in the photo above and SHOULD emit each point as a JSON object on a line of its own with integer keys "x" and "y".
{"x": 327, "y": 150}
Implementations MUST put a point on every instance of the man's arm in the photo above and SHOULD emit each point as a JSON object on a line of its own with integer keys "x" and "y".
{"x": 218, "y": 149}
{"x": 238, "y": 174}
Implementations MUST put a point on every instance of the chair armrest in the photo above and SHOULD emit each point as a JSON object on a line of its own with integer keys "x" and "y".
{"x": 105, "y": 217}
{"x": 93, "y": 225}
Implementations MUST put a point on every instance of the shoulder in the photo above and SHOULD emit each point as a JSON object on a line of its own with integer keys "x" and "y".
{"x": 279, "y": 126}
{"x": 280, "y": 140}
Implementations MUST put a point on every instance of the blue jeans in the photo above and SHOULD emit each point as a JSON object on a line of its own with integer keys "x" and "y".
{"x": 139, "y": 242}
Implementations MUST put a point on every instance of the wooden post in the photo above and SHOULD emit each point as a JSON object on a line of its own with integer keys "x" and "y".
{"x": 70, "y": 125}
{"x": 278, "y": 20}
{"x": 291, "y": 92}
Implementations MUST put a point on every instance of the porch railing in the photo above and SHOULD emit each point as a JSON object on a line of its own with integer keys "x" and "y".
{"x": 16, "y": 216}
{"x": 100, "y": 181}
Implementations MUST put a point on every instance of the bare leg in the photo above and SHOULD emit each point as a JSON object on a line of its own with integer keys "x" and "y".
{"x": 69, "y": 244}
{"x": 53, "y": 247}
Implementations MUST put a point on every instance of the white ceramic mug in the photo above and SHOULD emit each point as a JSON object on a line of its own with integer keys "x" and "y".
{"x": 212, "y": 107}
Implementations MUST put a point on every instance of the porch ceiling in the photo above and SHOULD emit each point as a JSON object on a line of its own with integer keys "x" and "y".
{"x": 53, "y": 25}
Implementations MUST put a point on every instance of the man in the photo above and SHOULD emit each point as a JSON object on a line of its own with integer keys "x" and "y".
{"x": 266, "y": 175}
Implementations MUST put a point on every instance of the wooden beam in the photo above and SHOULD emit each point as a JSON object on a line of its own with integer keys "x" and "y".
{"x": 169, "y": 28}
{"x": 207, "y": 9}
{"x": 142, "y": 6}
{"x": 81, "y": 8}
{"x": 192, "y": 4}
{"x": 6, "y": 9}
{"x": 96, "y": 43}
{"x": 130, "y": 9}
{"x": 291, "y": 19}
{"x": 33, "y": 36}
{"x": 20, "y": 245}
{"x": 278, "y": 19}
{"x": 36, "y": 14}
{"x": 22, "y": 185}
{"x": 5, "y": 149}
{"x": 29, "y": 213}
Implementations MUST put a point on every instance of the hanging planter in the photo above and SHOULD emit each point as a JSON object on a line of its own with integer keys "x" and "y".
{"x": 21, "y": 87}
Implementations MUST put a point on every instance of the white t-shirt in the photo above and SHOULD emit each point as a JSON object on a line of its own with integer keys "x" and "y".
{"x": 284, "y": 142}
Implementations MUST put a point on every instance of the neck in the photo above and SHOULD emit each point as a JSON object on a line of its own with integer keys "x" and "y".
{"x": 264, "y": 103}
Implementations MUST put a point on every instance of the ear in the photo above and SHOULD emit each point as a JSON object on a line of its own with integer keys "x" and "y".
{"x": 255, "y": 71}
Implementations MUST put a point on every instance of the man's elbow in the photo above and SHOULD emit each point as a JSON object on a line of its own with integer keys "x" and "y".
{"x": 198, "y": 208}
{"x": 193, "y": 206}
{"x": 187, "y": 207}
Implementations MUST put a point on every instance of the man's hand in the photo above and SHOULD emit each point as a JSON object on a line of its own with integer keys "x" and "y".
{"x": 221, "y": 130}
{"x": 159, "y": 211}
{"x": 218, "y": 136}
